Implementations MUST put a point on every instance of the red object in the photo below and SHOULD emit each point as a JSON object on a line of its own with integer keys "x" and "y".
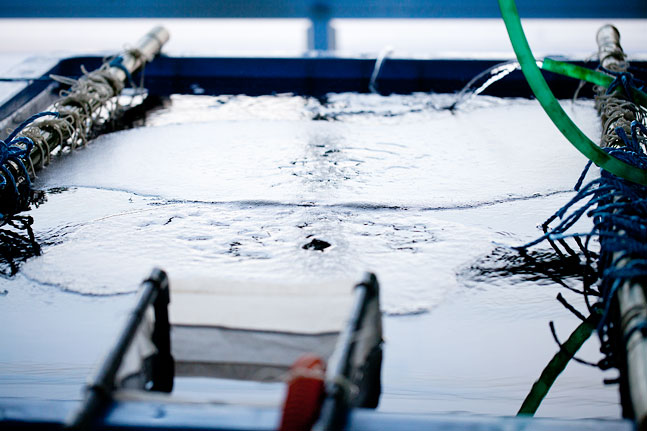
{"x": 305, "y": 394}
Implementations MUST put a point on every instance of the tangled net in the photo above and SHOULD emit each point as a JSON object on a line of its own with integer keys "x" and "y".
{"x": 84, "y": 110}
{"x": 17, "y": 244}
{"x": 618, "y": 209}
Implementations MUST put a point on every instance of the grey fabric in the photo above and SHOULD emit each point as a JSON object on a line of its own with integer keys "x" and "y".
{"x": 240, "y": 354}
{"x": 248, "y": 331}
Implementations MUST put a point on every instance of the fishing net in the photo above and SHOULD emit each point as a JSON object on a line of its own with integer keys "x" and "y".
{"x": 87, "y": 106}
{"x": 618, "y": 209}
{"x": 17, "y": 244}
{"x": 84, "y": 110}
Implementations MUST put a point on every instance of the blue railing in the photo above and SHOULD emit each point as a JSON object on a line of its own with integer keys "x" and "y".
{"x": 319, "y": 12}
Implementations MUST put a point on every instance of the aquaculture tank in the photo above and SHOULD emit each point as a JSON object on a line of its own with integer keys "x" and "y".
{"x": 324, "y": 241}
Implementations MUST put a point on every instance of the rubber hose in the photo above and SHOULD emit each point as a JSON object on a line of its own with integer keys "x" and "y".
{"x": 588, "y": 75}
{"x": 552, "y": 107}
{"x": 577, "y": 72}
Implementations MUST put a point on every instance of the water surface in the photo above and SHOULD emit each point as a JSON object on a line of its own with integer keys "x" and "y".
{"x": 237, "y": 187}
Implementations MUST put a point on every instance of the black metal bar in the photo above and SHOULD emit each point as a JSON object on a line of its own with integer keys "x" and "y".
{"x": 163, "y": 363}
{"x": 99, "y": 390}
{"x": 336, "y": 405}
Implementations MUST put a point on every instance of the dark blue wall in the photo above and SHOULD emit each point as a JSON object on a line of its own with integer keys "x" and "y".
{"x": 320, "y": 8}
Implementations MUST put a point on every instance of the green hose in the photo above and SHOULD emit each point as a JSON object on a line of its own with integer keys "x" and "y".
{"x": 573, "y": 71}
{"x": 556, "y": 365}
{"x": 588, "y": 75}
{"x": 551, "y": 105}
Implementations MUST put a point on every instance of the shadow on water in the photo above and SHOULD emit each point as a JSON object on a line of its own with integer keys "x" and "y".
{"x": 506, "y": 266}
{"x": 17, "y": 244}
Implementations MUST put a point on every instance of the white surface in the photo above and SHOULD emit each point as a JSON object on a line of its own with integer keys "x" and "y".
{"x": 423, "y": 37}
{"x": 304, "y": 309}
{"x": 484, "y": 38}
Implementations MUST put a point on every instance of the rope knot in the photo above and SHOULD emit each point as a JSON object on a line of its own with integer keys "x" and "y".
{"x": 633, "y": 144}
{"x": 626, "y": 81}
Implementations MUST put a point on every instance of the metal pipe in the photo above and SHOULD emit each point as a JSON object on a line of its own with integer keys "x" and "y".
{"x": 132, "y": 60}
{"x": 631, "y": 296}
{"x": 99, "y": 390}
{"x": 337, "y": 402}
{"x": 610, "y": 53}
{"x": 78, "y": 112}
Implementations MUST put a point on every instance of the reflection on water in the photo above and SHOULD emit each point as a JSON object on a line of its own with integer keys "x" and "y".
{"x": 254, "y": 188}
{"x": 505, "y": 266}
{"x": 17, "y": 244}
{"x": 252, "y": 240}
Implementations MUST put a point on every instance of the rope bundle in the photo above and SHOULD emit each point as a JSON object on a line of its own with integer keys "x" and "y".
{"x": 618, "y": 209}
{"x": 90, "y": 103}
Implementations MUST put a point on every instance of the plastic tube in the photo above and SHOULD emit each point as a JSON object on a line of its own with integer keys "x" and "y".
{"x": 552, "y": 107}
{"x": 588, "y": 75}
{"x": 556, "y": 365}
{"x": 577, "y": 72}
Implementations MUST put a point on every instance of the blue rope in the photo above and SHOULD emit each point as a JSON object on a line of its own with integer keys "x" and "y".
{"x": 626, "y": 80}
{"x": 614, "y": 205}
{"x": 118, "y": 63}
{"x": 642, "y": 327}
{"x": 30, "y": 120}
{"x": 580, "y": 180}
{"x": 16, "y": 150}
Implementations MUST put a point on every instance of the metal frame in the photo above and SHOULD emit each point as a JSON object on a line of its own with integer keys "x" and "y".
{"x": 99, "y": 391}
{"x": 338, "y": 402}
{"x": 309, "y": 76}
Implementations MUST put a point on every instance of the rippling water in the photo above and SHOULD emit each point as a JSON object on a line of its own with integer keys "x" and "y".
{"x": 235, "y": 186}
